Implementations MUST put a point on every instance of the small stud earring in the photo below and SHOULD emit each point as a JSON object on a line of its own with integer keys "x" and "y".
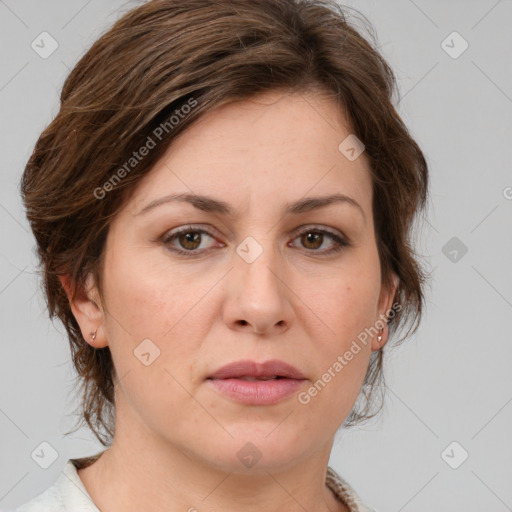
{"x": 379, "y": 337}
{"x": 93, "y": 335}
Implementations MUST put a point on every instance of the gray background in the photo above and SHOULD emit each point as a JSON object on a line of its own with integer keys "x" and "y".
{"x": 450, "y": 382}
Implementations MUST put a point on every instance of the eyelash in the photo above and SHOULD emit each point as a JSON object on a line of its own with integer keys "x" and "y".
{"x": 340, "y": 243}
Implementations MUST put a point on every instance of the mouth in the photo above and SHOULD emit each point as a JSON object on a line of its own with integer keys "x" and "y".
{"x": 254, "y": 383}
{"x": 247, "y": 369}
{"x": 253, "y": 379}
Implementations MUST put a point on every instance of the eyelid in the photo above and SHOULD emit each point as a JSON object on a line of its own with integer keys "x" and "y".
{"x": 341, "y": 241}
{"x": 319, "y": 227}
{"x": 199, "y": 228}
{"x": 205, "y": 228}
{"x": 339, "y": 238}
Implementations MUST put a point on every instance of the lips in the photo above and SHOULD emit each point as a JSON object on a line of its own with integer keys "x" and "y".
{"x": 254, "y": 383}
{"x": 251, "y": 370}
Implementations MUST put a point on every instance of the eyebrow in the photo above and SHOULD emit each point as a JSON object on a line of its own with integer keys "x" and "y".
{"x": 211, "y": 205}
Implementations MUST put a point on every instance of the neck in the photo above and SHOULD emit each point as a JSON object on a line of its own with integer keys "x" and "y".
{"x": 129, "y": 477}
{"x": 141, "y": 468}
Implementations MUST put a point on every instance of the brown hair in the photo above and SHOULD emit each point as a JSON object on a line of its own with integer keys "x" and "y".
{"x": 167, "y": 54}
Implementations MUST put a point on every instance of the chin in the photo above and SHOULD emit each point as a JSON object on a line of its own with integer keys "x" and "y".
{"x": 253, "y": 449}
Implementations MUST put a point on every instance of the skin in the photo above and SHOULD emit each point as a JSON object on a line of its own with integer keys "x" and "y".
{"x": 177, "y": 437}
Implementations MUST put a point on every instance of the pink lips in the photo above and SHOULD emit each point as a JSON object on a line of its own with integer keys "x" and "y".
{"x": 257, "y": 383}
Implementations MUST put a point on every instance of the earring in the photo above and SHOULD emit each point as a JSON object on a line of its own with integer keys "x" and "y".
{"x": 93, "y": 335}
{"x": 379, "y": 337}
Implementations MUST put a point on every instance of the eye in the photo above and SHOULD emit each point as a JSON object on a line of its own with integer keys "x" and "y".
{"x": 189, "y": 240}
{"x": 312, "y": 239}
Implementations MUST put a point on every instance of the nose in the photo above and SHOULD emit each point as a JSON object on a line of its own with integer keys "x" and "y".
{"x": 258, "y": 297}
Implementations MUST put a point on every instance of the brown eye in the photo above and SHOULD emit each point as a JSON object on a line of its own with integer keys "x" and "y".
{"x": 189, "y": 240}
{"x": 313, "y": 239}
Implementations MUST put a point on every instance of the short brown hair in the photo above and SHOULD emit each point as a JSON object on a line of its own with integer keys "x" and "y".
{"x": 168, "y": 53}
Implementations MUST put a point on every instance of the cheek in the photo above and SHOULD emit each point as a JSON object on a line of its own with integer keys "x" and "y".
{"x": 346, "y": 300}
{"x": 346, "y": 308}
{"x": 147, "y": 298}
{"x": 149, "y": 331}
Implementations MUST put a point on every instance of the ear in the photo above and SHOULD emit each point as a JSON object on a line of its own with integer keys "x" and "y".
{"x": 87, "y": 309}
{"x": 387, "y": 294}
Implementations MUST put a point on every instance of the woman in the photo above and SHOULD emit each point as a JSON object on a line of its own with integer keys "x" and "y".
{"x": 222, "y": 208}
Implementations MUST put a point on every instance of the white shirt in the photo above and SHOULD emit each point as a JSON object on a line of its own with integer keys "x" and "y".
{"x": 68, "y": 494}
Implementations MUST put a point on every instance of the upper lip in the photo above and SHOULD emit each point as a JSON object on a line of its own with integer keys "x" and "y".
{"x": 248, "y": 368}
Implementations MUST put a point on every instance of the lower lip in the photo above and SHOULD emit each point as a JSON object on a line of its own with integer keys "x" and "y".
{"x": 257, "y": 392}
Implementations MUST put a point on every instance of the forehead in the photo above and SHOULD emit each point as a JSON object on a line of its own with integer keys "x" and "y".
{"x": 275, "y": 147}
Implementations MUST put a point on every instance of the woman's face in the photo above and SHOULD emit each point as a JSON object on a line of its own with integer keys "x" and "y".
{"x": 266, "y": 281}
